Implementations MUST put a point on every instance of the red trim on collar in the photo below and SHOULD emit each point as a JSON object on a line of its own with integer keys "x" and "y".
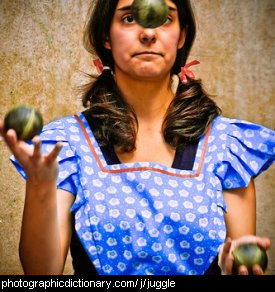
{"x": 131, "y": 169}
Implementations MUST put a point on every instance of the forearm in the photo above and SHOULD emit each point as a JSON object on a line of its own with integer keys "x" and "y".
{"x": 241, "y": 227}
{"x": 40, "y": 248}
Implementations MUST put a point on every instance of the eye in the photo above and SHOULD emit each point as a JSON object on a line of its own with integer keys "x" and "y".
{"x": 168, "y": 20}
{"x": 128, "y": 19}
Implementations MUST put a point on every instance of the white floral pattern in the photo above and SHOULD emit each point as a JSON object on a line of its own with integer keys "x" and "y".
{"x": 146, "y": 218}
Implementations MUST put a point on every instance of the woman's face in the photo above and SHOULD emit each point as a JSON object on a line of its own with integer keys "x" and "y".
{"x": 144, "y": 53}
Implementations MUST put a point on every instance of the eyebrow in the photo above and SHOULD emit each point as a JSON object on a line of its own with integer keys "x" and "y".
{"x": 128, "y": 7}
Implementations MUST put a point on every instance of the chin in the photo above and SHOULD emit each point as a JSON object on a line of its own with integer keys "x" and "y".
{"x": 150, "y": 73}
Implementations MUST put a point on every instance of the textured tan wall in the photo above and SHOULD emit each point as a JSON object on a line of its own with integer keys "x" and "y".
{"x": 41, "y": 56}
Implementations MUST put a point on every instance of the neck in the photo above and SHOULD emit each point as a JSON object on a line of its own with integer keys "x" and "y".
{"x": 150, "y": 99}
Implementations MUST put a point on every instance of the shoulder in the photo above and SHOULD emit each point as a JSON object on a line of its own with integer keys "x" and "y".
{"x": 61, "y": 123}
{"x": 244, "y": 131}
{"x": 243, "y": 150}
{"x": 58, "y": 129}
{"x": 222, "y": 123}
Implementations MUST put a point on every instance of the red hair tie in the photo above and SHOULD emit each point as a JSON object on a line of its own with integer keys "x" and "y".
{"x": 98, "y": 65}
{"x": 185, "y": 72}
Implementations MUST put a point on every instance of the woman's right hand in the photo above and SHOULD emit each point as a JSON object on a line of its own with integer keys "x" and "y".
{"x": 40, "y": 169}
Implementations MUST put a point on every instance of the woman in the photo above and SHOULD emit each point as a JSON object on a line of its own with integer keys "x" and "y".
{"x": 150, "y": 179}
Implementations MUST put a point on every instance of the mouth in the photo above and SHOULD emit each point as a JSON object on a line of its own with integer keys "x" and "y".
{"x": 148, "y": 53}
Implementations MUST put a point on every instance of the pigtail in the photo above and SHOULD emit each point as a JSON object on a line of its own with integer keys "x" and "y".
{"x": 189, "y": 114}
{"x": 115, "y": 123}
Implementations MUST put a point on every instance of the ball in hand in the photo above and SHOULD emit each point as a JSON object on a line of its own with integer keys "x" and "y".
{"x": 26, "y": 121}
{"x": 249, "y": 255}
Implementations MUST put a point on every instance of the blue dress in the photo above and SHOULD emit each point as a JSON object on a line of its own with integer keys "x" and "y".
{"x": 146, "y": 218}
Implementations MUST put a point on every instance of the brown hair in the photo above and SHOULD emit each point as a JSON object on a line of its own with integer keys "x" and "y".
{"x": 115, "y": 122}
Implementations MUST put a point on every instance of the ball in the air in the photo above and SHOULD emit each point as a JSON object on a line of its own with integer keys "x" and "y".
{"x": 150, "y": 13}
{"x": 249, "y": 255}
{"x": 26, "y": 121}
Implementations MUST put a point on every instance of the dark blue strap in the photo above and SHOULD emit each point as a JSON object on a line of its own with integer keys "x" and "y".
{"x": 184, "y": 156}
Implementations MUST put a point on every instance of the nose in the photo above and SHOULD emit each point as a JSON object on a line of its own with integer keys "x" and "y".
{"x": 148, "y": 36}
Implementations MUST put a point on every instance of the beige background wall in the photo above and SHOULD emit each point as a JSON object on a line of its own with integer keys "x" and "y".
{"x": 41, "y": 56}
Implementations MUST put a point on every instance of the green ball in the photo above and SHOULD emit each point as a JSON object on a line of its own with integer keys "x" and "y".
{"x": 249, "y": 255}
{"x": 150, "y": 13}
{"x": 25, "y": 120}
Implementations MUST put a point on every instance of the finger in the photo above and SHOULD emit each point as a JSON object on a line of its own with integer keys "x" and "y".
{"x": 18, "y": 148}
{"x": 12, "y": 141}
{"x": 37, "y": 147}
{"x": 264, "y": 242}
{"x": 227, "y": 245}
{"x": 54, "y": 153}
{"x": 9, "y": 137}
{"x": 226, "y": 250}
{"x": 257, "y": 270}
{"x": 228, "y": 266}
{"x": 4, "y": 133}
{"x": 243, "y": 270}
{"x": 227, "y": 259}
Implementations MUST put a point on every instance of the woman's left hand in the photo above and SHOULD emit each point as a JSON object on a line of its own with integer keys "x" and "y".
{"x": 226, "y": 259}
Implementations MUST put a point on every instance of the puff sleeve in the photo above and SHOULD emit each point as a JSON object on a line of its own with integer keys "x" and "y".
{"x": 245, "y": 150}
{"x": 67, "y": 176}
